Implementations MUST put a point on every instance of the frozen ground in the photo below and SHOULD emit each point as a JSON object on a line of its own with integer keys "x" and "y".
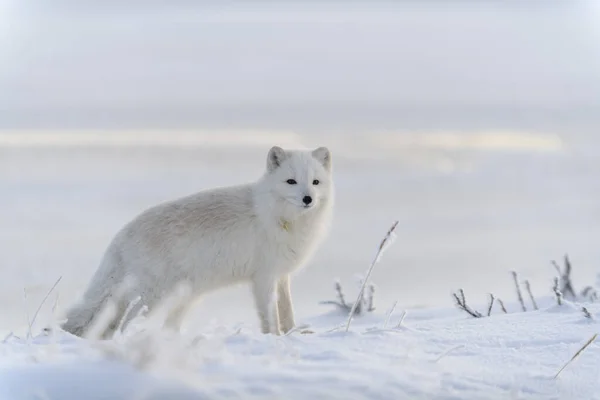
{"x": 432, "y": 354}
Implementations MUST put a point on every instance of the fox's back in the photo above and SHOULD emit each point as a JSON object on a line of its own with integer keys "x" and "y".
{"x": 205, "y": 237}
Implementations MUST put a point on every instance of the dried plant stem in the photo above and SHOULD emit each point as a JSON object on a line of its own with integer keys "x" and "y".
{"x": 370, "y": 306}
{"x": 557, "y": 293}
{"x": 489, "y": 311}
{"x": 528, "y": 288}
{"x": 461, "y": 302}
{"x": 27, "y": 312}
{"x": 587, "y": 313}
{"x": 566, "y": 286}
{"x": 402, "y": 316}
{"x": 585, "y": 346}
{"x": 450, "y": 350}
{"x": 41, "y": 305}
{"x": 8, "y": 336}
{"x": 556, "y": 267}
{"x": 386, "y": 240}
{"x": 389, "y": 315}
{"x": 502, "y": 306}
{"x": 340, "y": 293}
{"x": 295, "y": 329}
{"x": 518, "y": 287}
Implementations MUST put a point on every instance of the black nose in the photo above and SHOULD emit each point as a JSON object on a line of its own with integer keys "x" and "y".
{"x": 307, "y": 200}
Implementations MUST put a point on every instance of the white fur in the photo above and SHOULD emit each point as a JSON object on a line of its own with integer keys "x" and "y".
{"x": 258, "y": 232}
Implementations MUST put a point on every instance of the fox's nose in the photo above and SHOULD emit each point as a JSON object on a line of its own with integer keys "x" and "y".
{"x": 307, "y": 200}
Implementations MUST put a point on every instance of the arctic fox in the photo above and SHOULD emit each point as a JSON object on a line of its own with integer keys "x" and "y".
{"x": 258, "y": 232}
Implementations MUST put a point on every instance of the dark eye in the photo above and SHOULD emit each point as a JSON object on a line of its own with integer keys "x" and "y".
{"x": 291, "y": 181}
{"x": 316, "y": 182}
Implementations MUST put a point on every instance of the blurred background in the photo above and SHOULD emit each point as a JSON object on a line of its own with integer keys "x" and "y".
{"x": 475, "y": 124}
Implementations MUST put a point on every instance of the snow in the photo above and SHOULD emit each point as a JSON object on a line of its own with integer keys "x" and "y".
{"x": 432, "y": 354}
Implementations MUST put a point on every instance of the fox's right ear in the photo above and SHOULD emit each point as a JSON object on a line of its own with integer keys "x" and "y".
{"x": 275, "y": 158}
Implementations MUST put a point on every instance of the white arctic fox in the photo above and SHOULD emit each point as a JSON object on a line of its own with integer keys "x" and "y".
{"x": 258, "y": 232}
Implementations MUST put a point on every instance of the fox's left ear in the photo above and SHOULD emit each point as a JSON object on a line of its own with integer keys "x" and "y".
{"x": 324, "y": 156}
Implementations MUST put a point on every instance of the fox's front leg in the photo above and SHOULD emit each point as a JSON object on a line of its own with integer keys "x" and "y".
{"x": 264, "y": 289}
{"x": 284, "y": 304}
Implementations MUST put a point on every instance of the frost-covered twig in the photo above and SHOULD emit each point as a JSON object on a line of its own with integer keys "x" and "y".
{"x": 502, "y": 306}
{"x": 55, "y": 305}
{"x": 461, "y": 302}
{"x": 387, "y": 240}
{"x": 528, "y": 288}
{"x": 399, "y": 325}
{"x": 518, "y": 288}
{"x": 556, "y": 267}
{"x": 589, "y": 293}
{"x": 489, "y": 311}
{"x": 389, "y": 315}
{"x": 340, "y": 294}
{"x": 370, "y": 297}
{"x": 566, "y": 285}
{"x": 557, "y": 292}
{"x": 27, "y": 312}
{"x": 335, "y": 303}
{"x": 364, "y": 304}
{"x": 586, "y": 312}
{"x": 41, "y": 305}
{"x": 585, "y": 346}
{"x": 8, "y": 336}
{"x": 298, "y": 328}
{"x": 450, "y": 350}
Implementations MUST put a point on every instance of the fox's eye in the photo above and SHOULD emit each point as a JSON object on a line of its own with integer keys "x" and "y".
{"x": 291, "y": 181}
{"x": 316, "y": 182}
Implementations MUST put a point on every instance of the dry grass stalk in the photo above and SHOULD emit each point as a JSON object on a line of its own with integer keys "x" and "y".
{"x": 450, "y": 350}
{"x": 585, "y": 346}
{"x": 461, "y": 302}
{"x": 586, "y": 312}
{"x": 502, "y": 306}
{"x": 489, "y": 311}
{"x": 340, "y": 293}
{"x": 370, "y": 296}
{"x": 27, "y": 312}
{"x": 566, "y": 285}
{"x": 41, "y": 305}
{"x": 518, "y": 288}
{"x": 389, "y": 315}
{"x": 389, "y": 237}
{"x": 557, "y": 292}
{"x": 366, "y": 303}
{"x": 402, "y": 316}
{"x": 528, "y": 288}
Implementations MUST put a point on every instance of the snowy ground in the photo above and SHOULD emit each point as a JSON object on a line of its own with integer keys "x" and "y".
{"x": 432, "y": 354}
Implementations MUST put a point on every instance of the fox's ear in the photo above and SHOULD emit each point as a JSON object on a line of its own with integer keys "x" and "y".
{"x": 275, "y": 158}
{"x": 324, "y": 156}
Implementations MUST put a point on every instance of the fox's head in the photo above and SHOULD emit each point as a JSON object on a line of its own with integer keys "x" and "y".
{"x": 300, "y": 181}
